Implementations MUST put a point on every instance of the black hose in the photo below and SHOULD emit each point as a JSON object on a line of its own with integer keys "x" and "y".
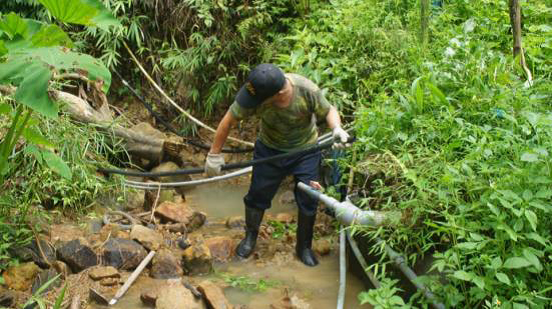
{"x": 225, "y": 167}
{"x": 169, "y": 126}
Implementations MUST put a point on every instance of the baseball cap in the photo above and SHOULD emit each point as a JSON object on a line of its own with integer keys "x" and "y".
{"x": 264, "y": 81}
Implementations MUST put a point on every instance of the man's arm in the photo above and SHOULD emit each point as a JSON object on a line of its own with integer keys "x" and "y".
{"x": 223, "y": 129}
{"x": 340, "y": 136}
{"x": 333, "y": 119}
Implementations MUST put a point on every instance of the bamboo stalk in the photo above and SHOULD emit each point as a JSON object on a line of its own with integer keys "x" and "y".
{"x": 132, "y": 278}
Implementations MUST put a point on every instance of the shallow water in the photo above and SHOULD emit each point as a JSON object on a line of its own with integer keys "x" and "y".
{"x": 315, "y": 286}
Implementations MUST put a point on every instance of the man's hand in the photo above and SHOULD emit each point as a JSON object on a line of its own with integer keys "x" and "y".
{"x": 213, "y": 164}
{"x": 340, "y": 137}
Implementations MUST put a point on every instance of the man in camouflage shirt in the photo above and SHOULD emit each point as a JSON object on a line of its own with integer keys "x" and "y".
{"x": 288, "y": 106}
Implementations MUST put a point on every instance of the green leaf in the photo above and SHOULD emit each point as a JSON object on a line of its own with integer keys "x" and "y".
{"x": 533, "y": 259}
{"x": 529, "y": 157}
{"x": 462, "y": 275}
{"x": 57, "y": 164}
{"x": 467, "y": 245}
{"x": 532, "y": 218}
{"x": 13, "y": 25}
{"x": 502, "y": 277}
{"x": 33, "y": 91}
{"x": 51, "y": 35}
{"x": 516, "y": 262}
{"x": 479, "y": 282}
{"x": 34, "y": 151}
{"x": 3, "y": 49}
{"x": 5, "y": 108}
{"x": 536, "y": 237}
{"x": 437, "y": 93}
{"x": 104, "y": 19}
{"x": 418, "y": 92}
{"x": 34, "y": 136}
{"x": 59, "y": 299}
{"x": 496, "y": 263}
{"x": 71, "y": 11}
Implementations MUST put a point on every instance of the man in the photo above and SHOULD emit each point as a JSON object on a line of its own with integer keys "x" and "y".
{"x": 288, "y": 106}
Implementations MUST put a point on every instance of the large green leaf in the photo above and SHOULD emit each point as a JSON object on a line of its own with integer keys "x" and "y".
{"x": 33, "y": 90}
{"x": 51, "y": 35}
{"x": 3, "y": 49}
{"x": 104, "y": 19}
{"x": 71, "y": 11}
{"x": 57, "y": 164}
{"x": 516, "y": 262}
{"x": 34, "y": 136}
{"x": 13, "y": 25}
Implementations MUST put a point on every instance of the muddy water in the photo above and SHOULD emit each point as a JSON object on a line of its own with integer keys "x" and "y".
{"x": 308, "y": 287}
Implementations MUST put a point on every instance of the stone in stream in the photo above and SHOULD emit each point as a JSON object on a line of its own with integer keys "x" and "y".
{"x": 77, "y": 255}
{"x": 101, "y": 272}
{"x": 149, "y": 297}
{"x": 235, "y": 222}
{"x": 171, "y": 167}
{"x": 322, "y": 246}
{"x": 123, "y": 253}
{"x": 32, "y": 252}
{"x": 214, "y": 296}
{"x": 43, "y": 277}
{"x": 285, "y": 218}
{"x": 221, "y": 247}
{"x": 150, "y": 196}
{"x": 109, "y": 281}
{"x": 197, "y": 259}
{"x": 175, "y": 296}
{"x": 21, "y": 277}
{"x": 135, "y": 200}
{"x": 175, "y": 212}
{"x": 165, "y": 265}
{"x": 146, "y": 237}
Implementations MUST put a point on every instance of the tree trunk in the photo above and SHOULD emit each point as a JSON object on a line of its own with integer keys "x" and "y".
{"x": 515, "y": 21}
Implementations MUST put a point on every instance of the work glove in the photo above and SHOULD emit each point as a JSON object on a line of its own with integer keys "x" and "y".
{"x": 340, "y": 138}
{"x": 213, "y": 164}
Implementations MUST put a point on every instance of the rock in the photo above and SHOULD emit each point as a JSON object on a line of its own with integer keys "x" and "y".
{"x": 32, "y": 252}
{"x": 148, "y": 297}
{"x": 235, "y": 222}
{"x": 95, "y": 225}
{"x": 42, "y": 278}
{"x": 147, "y": 129}
{"x": 214, "y": 296}
{"x": 174, "y": 212}
{"x": 170, "y": 167}
{"x": 135, "y": 200}
{"x": 221, "y": 247}
{"x": 151, "y": 195}
{"x": 101, "y": 272}
{"x": 183, "y": 243}
{"x": 110, "y": 230}
{"x": 165, "y": 265}
{"x": 285, "y": 218}
{"x": 322, "y": 246}
{"x": 6, "y": 298}
{"x": 77, "y": 255}
{"x": 62, "y": 268}
{"x": 287, "y": 197}
{"x": 123, "y": 253}
{"x": 21, "y": 277}
{"x": 146, "y": 237}
{"x": 62, "y": 233}
{"x": 197, "y": 258}
{"x": 177, "y": 228}
{"x": 109, "y": 281}
{"x": 198, "y": 219}
{"x": 175, "y": 296}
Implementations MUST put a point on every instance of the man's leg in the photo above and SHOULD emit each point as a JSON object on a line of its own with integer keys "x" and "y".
{"x": 265, "y": 181}
{"x": 306, "y": 170}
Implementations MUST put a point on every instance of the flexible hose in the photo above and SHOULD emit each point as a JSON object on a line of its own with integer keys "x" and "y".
{"x": 199, "y": 170}
{"x": 170, "y": 127}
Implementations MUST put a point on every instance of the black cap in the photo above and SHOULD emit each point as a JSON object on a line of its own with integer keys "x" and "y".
{"x": 264, "y": 81}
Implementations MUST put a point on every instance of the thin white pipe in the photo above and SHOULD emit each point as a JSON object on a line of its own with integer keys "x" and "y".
{"x": 342, "y": 270}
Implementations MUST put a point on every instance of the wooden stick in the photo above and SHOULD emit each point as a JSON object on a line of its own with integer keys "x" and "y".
{"x": 132, "y": 278}
{"x": 75, "y": 303}
{"x": 192, "y": 118}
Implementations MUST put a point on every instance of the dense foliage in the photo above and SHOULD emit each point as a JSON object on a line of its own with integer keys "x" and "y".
{"x": 454, "y": 135}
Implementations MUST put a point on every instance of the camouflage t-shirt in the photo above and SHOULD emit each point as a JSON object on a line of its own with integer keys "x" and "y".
{"x": 294, "y": 126}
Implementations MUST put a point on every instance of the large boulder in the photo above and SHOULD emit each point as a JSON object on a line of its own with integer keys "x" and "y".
{"x": 32, "y": 252}
{"x": 214, "y": 296}
{"x": 197, "y": 259}
{"x": 146, "y": 237}
{"x": 165, "y": 265}
{"x": 77, "y": 255}
{"x": 175, "y": 296}
{"x": 221, "y": 247}
{"x": 21, "y": 277}
{"x": 123, "y": 253}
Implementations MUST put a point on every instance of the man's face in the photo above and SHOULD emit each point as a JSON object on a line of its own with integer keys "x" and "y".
{"x": 283, "y": 97}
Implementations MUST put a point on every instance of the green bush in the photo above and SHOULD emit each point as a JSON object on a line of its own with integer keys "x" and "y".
{"x": 455, "y": 136}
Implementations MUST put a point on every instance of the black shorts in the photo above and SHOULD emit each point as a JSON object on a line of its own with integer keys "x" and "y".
{"x": 267, "y": 177}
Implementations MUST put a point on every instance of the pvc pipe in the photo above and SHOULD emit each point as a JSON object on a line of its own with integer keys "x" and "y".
{"x": 362, "y": 261}
{"x": 342, "y": 270}
{"x": 347, "y": 213}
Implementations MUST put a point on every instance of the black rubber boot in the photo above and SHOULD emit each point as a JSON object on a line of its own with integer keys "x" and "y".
{"x": 305, "y": 229}
{"x": 253, "y": 218}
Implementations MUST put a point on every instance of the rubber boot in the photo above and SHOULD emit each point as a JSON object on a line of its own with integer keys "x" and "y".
{"x": 253, "y": 218}
{"x": 305, "y": 229}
